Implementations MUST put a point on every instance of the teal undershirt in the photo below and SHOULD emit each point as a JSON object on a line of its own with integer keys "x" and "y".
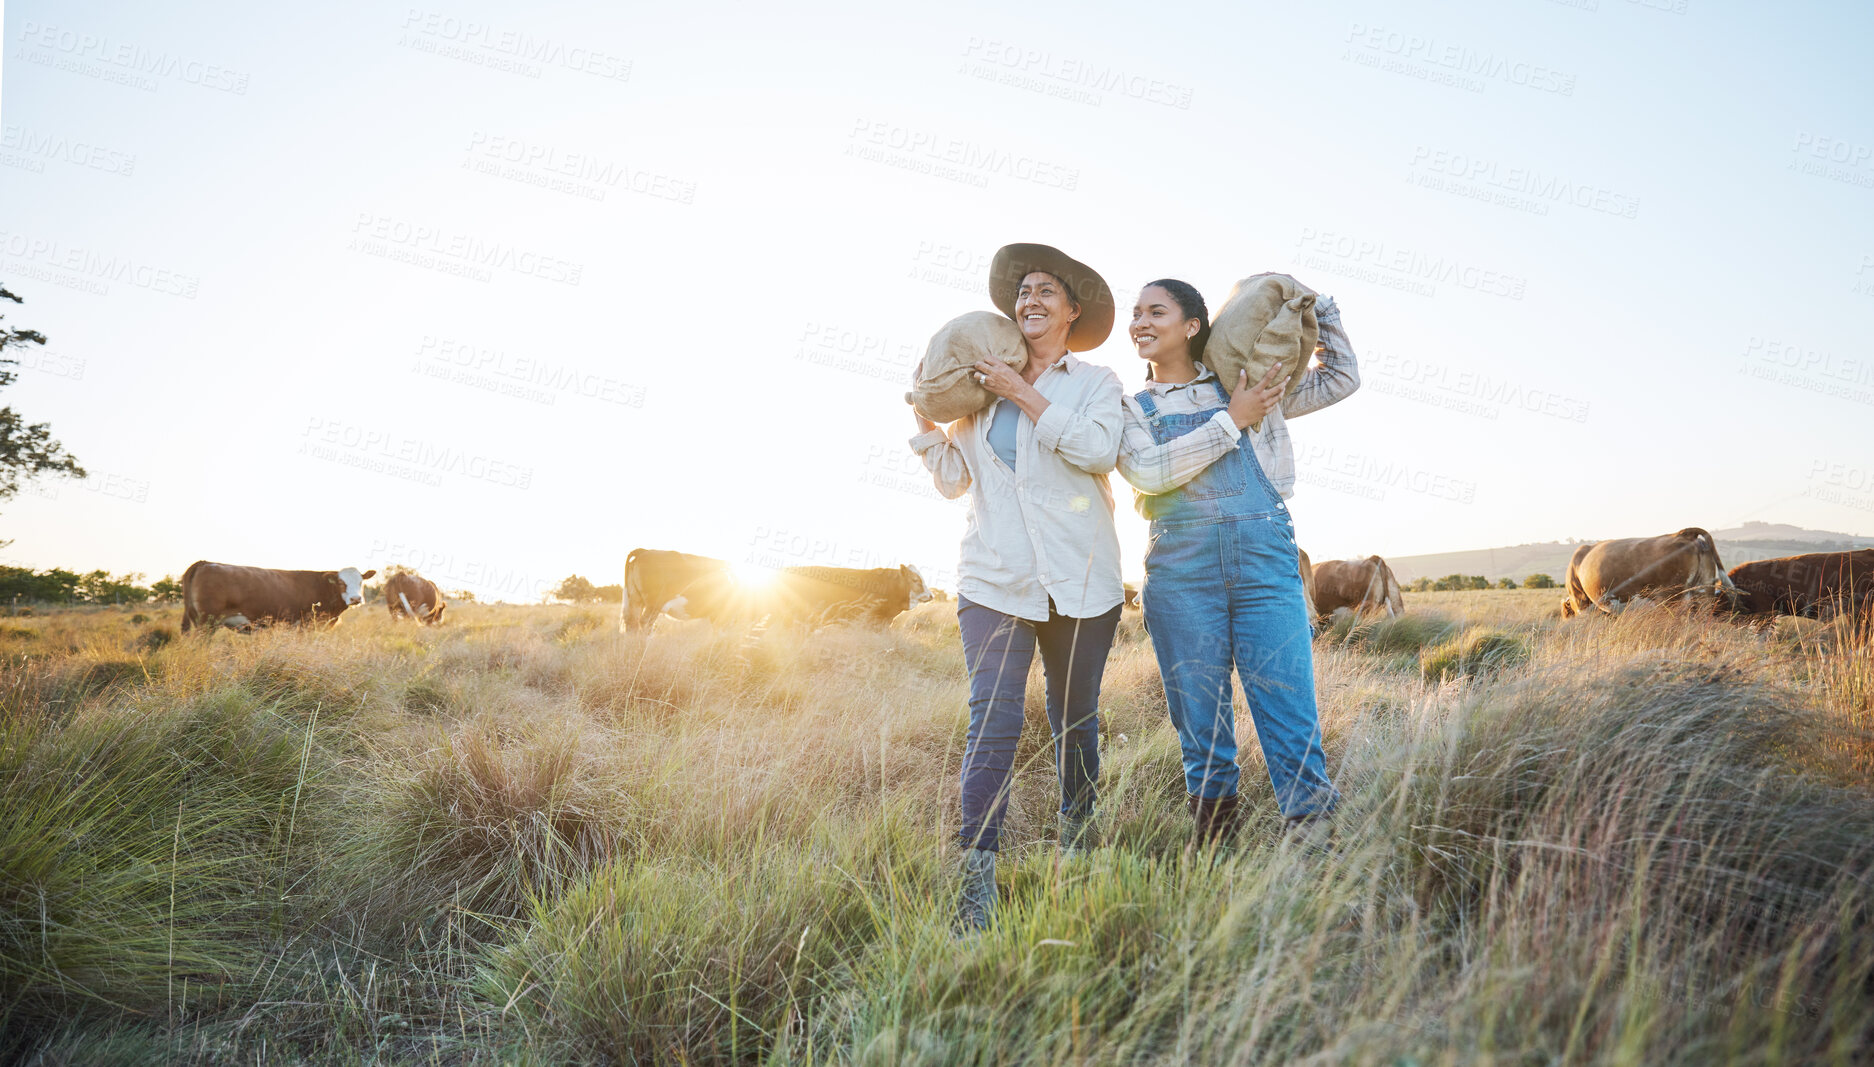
{"x": 1002, "y": 431}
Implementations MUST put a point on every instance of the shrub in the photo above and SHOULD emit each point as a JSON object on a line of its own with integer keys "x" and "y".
{"x": 138, "y": 850}
{"x": 1410, "y": 632}
{"x": 485, "y": 820}
{"x": 1476, "y": 651}
{"x": 643, "y": 958}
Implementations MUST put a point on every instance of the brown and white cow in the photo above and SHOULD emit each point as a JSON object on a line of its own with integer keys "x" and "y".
{"x": 1362, "y": 586}
{"x": 408, "y": 593}
{"x": 1815, "y": 584}
{"x": 654, "y": 578}
{"x": 244, "y": 597}
{"x": 1610, "y": 575}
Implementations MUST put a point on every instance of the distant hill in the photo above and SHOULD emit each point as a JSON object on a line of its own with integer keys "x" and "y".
{"x": 1739, "y": 544}
{"x": 1781, "y": 531}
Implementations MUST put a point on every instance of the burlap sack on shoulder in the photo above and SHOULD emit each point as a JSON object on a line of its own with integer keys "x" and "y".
{"x": 1268, "y": 319}
{"x": 946, "y": 389}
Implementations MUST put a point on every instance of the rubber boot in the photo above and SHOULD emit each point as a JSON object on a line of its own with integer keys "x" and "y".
{"x": 1077, "y": 836}
{"x": 1313, "y": 834}
{"x": 1214, "y": 821}
{"x": 976, "y": 904}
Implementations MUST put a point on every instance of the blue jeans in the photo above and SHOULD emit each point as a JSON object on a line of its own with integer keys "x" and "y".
{"x": 1228, "y": 593}
{"x": 998, "y": 650}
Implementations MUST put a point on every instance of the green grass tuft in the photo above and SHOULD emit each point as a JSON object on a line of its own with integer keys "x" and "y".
{"x": 1477, "y": 651}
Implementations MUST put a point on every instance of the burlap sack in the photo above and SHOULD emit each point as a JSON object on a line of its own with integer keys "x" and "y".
{"x": 946, "y": 388}
{"x": 1268, "y": 319}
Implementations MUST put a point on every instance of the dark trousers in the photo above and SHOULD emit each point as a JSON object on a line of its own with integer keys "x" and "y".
{"x": 998, "y": 650}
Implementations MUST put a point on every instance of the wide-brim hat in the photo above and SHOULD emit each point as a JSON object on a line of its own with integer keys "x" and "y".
{"x": 1015, "y": 262}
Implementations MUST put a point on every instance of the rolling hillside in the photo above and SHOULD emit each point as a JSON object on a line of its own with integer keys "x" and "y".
{"x": 1739, "y": 544}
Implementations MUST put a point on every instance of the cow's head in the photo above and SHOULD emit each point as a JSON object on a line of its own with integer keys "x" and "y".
{"x": 435, "y": 617}
{"x": 1731, "y": 600}
{"x": 914, "y": 583}
{"x": 1382, "y": 589}
{"x": 1395, "y": 596}
{"x": 348, "y": 585}
{"x": 1729, "y": 587}
{"x": 1709, "y": 575}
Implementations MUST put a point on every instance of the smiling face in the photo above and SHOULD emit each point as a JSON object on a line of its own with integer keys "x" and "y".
{"x": 1160, "y": 331}
{"x": 1044, "y": 309}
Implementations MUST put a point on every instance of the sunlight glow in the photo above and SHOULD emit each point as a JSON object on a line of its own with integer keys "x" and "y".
{"x": 754, "y": 575}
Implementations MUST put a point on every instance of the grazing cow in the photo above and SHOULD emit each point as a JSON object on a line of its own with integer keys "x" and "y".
{"x": 407, "y": 593}
{"x": 1815, "y": 585}
{"x": 720, "y": 596}
{"x": 819, "y": 595}
{"x": 1131, "y": 593}
{"x": 1362, "y": 586}
{"x": 1609, "y": 575}
{"x": 1307, "y": 585}
{"x": 241, "y": 598}
{"x": 810, "y": 595}
{"x": 655, "y": 578}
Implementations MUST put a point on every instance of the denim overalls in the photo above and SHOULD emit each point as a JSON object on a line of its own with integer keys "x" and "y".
{"x": 1222, "y": 586}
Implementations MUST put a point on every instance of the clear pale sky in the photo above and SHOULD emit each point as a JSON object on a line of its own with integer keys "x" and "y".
{"x": 502, "y": 291}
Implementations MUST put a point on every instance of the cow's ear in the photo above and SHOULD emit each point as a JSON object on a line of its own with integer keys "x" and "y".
{"x": 368, "y": 573}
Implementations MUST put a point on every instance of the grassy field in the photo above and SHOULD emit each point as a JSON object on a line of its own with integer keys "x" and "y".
{"x": 525, "y": 837}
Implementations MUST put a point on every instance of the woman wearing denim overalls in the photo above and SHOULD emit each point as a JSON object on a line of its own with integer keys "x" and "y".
{"x": 1222, "y": 582}
{"x": 1039, "y": 567}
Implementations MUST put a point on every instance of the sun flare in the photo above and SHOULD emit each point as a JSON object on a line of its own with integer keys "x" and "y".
{"x": 753, "y": 575}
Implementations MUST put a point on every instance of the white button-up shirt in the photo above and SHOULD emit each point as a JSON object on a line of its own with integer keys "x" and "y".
{"x": 1044, "y": 529}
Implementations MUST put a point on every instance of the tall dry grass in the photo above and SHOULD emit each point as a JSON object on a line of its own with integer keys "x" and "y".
{"x": 525, "y": 836}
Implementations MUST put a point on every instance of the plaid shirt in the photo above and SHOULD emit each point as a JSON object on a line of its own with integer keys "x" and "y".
{"x": 1153, "y": 468}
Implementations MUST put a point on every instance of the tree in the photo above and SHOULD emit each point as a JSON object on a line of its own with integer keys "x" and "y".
{"x": 576, "y": 589}
{"x": 58, "y": 586}
{"x": 1422, "y": 584}
{"x": 1538, "y": 581}
{"x": 99, "y": 587}
{"x": 1506, "y": 583}
{"x": 27, "y": 451}
{"x": 611, "y": 594}
{"x": 166, "y": 588}
{"x": 1461, "y": 581}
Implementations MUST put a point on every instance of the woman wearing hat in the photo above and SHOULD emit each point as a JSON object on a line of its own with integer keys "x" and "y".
{"x": 1222, "y": 583}
{"x": 1039, "y": 566}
